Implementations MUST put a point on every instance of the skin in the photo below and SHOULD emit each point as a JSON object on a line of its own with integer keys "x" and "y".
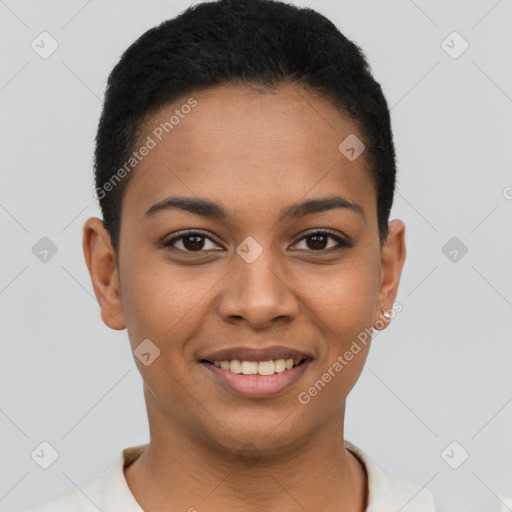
{"x": 256, "y": 154}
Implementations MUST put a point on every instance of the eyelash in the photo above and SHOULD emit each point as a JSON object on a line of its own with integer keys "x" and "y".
{"x": 342, "y": 243}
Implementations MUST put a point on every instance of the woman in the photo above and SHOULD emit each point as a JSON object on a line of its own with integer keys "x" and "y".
{"x": 245, "y": 169}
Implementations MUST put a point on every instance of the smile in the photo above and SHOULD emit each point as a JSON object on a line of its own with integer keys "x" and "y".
{"x": 257, "y": 379}
{"x": 259, "y": 367}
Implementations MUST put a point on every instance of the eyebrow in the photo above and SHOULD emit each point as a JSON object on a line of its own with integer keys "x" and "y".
{"x": 207, "y": 208}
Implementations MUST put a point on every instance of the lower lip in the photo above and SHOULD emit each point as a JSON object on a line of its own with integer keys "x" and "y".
{"x": 258, "y": 386}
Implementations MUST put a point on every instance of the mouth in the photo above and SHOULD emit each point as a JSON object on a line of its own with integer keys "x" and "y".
{"x": 265, "y": 368}
{"x": 257, "y": 373}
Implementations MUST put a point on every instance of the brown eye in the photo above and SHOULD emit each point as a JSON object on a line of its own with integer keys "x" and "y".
{"x": 191, "y": 241}
{"x": 319, "y": 241}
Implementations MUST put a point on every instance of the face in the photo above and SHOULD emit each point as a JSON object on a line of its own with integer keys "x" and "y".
{"x": 259, "y": 278}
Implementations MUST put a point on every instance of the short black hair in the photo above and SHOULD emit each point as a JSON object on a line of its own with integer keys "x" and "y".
{"x": 263, "y": 43}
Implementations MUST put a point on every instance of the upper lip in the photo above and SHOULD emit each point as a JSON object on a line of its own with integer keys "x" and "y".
{"x": 256, "y": 354}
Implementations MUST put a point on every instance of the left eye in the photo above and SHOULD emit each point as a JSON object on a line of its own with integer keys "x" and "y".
{"x": 317, "y": 241}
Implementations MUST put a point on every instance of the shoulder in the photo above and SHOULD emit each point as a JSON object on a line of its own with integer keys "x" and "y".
{"x": 389, "y": 491}
{"x": 105, "y": 491}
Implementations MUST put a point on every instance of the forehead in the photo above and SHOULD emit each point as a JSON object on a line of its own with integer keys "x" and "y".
{"x": 231, "y": 143}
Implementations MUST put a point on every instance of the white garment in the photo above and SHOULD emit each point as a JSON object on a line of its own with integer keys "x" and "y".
{"x": 109, "y": 492}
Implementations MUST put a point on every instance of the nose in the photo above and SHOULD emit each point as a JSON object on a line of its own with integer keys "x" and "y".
{"x": 258, "y": 294}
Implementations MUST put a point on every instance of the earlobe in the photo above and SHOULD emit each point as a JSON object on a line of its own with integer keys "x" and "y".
{"x": 392, "y": 262}
{"x": 100, "y": 259}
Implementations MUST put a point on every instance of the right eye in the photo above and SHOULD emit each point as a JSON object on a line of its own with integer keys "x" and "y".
{"x": 190, "y": 241}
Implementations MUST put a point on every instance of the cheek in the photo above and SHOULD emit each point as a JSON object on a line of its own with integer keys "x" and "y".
{"x": 346, "y": 296}
{"x": 159, "y": 301}
{"x": 163, "y": 302}
{"x": 344, "y": 306}
{"x": 162, "y": 305}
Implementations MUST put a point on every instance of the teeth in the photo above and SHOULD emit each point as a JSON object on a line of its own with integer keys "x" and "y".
{"x": 250, "y": 367}
{"x": 266, "y": 368}
{"x": 235, "y": 366}
{"x": 257, "y": 368}
{"x": 280, "y": 365}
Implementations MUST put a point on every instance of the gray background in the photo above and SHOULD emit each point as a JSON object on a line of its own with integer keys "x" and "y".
{"x": 440, "y": 373}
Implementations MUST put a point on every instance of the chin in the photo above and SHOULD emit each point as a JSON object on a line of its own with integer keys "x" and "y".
{"x": 257, "y": 440}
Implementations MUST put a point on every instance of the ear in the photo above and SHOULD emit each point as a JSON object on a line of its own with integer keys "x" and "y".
{"x": 392, "y": 262}
{"x": 100, "y": 259}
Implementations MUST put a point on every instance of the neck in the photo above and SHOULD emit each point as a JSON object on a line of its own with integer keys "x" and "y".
{"x": 177, "y": 472}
